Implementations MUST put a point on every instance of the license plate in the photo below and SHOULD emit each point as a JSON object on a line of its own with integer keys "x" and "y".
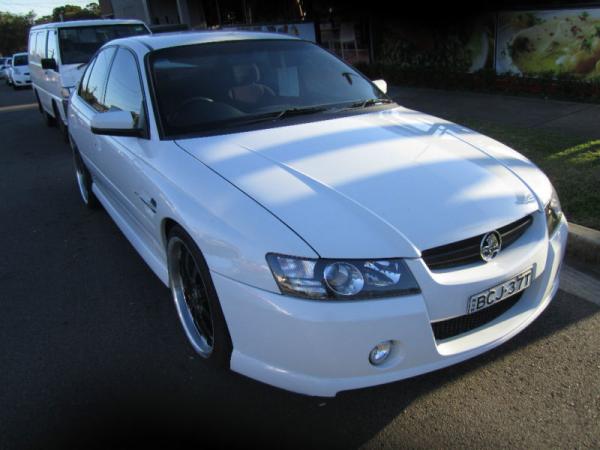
{"x": 501, "y": 292}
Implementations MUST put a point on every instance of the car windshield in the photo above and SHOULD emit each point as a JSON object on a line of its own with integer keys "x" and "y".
{"x": 78, "y": 44}
{"x": 220, "y": 85}
{"x": 20, "y": 60}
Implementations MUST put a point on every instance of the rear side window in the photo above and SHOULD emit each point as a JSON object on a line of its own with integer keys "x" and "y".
{"x": 93, "y": 93}
{"x": 123, "y": 90}
{"x": 86, "y": 77}
{"x": 32, "y": 39}
{"x": 51, "y": 48}
{"x": 40, "y": 45}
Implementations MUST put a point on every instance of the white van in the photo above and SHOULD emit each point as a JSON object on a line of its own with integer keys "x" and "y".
{"x": 58, "y": 53}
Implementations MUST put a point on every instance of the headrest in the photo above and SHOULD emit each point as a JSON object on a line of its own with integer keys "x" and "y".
{"x": 246, "y": 74}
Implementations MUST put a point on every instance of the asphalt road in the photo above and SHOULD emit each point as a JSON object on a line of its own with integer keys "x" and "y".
{"x": 92, "y": 354}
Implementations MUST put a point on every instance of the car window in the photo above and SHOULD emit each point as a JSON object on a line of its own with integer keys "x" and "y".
{"x": 256, "y": 78}
{"x": 94, "y": 88}
{"x": 51, "y": 48}
{"x": 123, "y": 90}
{"x": 20, "y": 60}
{"x": 85, "y": 78}
{"x": 40, "y": 45}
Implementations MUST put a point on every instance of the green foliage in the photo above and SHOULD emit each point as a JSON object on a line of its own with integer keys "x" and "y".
{"x": 14, "y": 29}
{"x": 74, "y": 12}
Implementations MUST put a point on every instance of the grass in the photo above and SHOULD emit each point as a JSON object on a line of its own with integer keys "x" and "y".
{"x": 572, "y": 164}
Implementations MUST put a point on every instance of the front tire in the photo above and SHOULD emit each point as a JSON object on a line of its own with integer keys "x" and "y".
{"x": 196, "y": 299}
{"x": 62, "y": 128}
{"x": 84, "y": 182}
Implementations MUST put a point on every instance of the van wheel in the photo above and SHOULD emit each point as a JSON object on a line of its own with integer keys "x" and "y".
{"x": 62, "y": 128}
{"x": 37, "y": 99}
{"x": 48, "y": 119}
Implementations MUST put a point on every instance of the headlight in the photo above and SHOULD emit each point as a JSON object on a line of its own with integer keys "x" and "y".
{"x": 553, "y": 213}
{"x": 326, "y": 279}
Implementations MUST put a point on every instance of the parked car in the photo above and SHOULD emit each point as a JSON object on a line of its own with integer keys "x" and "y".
{"x": 4, "y": 67}
{"x": 315, "y": 235}
{"x": 58, "y": 53}
{"x": 18, "y": 73}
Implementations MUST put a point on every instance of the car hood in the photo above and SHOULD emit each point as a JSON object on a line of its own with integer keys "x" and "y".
{"x": 71, "y": 73}
{"x": 384, "y": 184}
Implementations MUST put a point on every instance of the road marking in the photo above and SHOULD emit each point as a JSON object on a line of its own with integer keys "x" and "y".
{"x": 17, "y": 107}
{"x": 580, "y": 284}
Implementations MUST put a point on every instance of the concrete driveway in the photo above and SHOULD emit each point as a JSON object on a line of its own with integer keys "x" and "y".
{"x": 92, "y": 354}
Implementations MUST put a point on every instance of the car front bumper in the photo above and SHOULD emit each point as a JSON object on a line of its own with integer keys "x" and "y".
{"x": 322, "y": 348}
{"x": 21, "y": 80}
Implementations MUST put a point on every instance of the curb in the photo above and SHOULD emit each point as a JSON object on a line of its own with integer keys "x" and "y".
{"x": 584, "y": 244}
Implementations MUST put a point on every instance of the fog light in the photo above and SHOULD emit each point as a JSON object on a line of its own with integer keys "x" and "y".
{"x": 380, "y": 353}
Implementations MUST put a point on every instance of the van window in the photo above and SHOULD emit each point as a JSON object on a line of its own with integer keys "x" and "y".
{"x": 40, "y": 45}
{"x": 78, "y": 44}
{"x": 93, "y": 93}
{"x": 51, "y": 48}
{"x": 123, "y": 90}
{"x": 32, "y": 38}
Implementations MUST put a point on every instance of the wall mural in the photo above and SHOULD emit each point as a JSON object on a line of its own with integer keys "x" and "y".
{"x": 549, "y": 43}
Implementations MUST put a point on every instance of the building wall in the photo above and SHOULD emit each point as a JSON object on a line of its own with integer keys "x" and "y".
{"x": 129, "y": 9}
{"x": 163, "y": 12}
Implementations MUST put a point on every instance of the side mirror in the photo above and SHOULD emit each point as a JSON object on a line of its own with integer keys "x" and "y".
{"x": 115, "y": 123}
{"x": 381, "y": 84}
{"x": 49, "y": 64}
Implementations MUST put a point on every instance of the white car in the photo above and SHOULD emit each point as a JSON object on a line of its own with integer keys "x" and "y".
{"x": 4, "y": 65}
{"x": 315, "y": 235}
{"x": 18, "y": 73}
{"x": 58, "y": 53}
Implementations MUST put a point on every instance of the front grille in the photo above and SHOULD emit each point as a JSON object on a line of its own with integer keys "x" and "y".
{"x": 467, "y": 251}
{"x": 445, "y": 329}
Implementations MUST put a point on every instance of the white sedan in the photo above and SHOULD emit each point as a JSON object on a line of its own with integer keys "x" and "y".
{"x": 314, "y": 234}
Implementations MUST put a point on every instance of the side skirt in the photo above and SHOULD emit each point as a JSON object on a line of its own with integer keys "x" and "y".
{"x": 156, "y": 262}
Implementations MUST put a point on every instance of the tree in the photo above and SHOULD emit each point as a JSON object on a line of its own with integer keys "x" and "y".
{"x": 74, "y": 12}
{"x": 14, "y": 31}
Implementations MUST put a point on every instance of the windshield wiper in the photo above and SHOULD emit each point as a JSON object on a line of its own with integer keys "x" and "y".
{"x": 371, "y": 102}
{"x": 299, "y": 111}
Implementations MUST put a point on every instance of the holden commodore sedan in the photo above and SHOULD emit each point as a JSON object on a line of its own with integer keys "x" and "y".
{"x": 314, "y": 234}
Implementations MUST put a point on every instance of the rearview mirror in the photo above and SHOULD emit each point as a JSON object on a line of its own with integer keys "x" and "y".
{"x": 49, "y": 64}
{"x": 381, "y": 84}
{"x": 115, "y": 123}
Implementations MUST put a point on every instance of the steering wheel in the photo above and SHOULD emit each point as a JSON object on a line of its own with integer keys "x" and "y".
{"x": 188, "y": 101}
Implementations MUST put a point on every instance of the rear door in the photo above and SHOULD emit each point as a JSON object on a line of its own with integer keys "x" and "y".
{"x": 88, "y": 102}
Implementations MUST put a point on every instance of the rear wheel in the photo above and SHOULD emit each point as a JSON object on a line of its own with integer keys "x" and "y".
{"x": 196, "y": 299}
{"x": 84, "y": 182}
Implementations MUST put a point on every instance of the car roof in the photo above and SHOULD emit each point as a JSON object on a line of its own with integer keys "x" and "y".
{"x": 87, "y": 23}
{"x": 20, "y": 54}
{"x": 165, "y": 40}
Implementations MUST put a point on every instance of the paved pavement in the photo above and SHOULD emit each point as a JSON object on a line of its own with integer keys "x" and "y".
{"x": 578, "y": 119}
{"x": 92, "y": 355}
